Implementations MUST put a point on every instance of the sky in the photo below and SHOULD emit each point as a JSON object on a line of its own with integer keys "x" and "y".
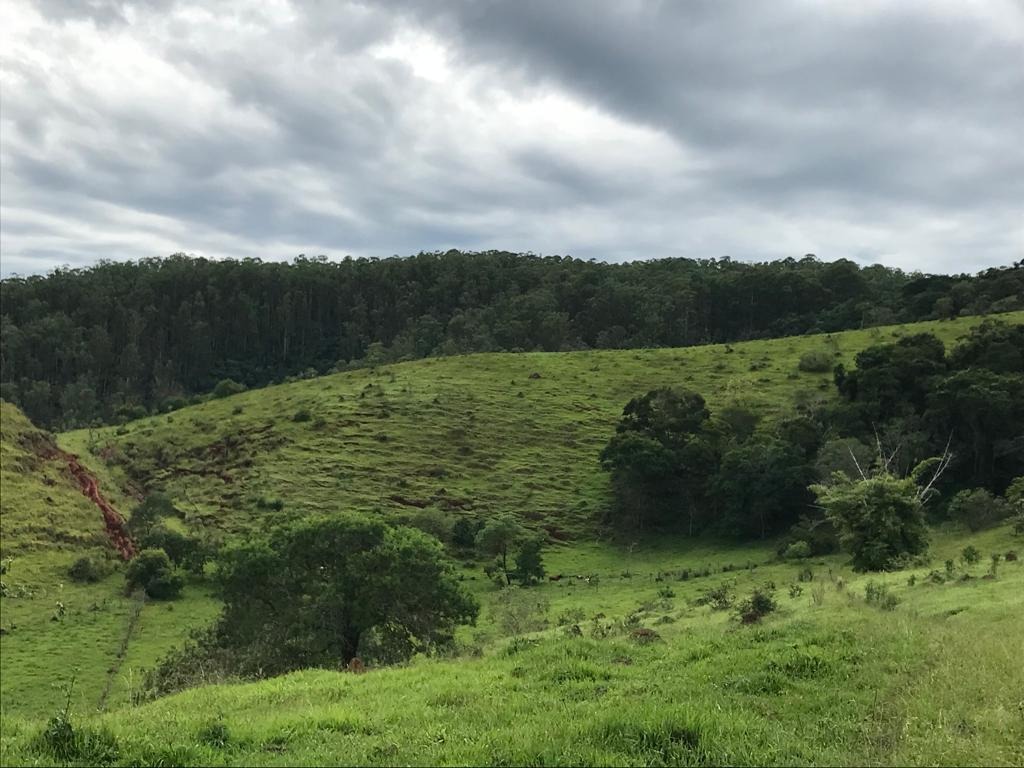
{"x": 887, "y": 132}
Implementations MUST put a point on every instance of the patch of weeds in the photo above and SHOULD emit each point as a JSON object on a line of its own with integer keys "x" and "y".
{"x": 878, "y": 595}
{"x": 215, "y": 733}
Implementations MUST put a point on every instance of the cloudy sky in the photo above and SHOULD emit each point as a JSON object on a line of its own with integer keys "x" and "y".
{"x": 878, "y": 131}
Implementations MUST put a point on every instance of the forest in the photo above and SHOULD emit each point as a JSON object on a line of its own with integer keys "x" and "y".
{"x": 122, "y": 339}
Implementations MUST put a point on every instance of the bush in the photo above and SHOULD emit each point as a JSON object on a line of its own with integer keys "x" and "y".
{"x": 880, "y": 519}
{"x": 798, "y": 550}
{"x": 529, "y": 562}
{"x": 227, "y": 387}
{"x": 387, "y": 590}
{"x": 302, "y": 415}
{"x": 87, "y": 570}
{"x": 152, "y": 571}
{"x": 976, "y": 509}
{"x": 816, "y": 361}
{"x": 760, "y": 603}
{"x": 178, "y": 546}
{"x": 970, "y": 555}
{"x": 719, "y": 598}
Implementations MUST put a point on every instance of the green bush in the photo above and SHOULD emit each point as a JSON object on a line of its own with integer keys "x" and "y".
{"x": 978, "y": 508}
{"x": 152, "y": 571}
{"x": 88, "y": 570}
{"x": 227, "y": 387}
{"x": 760, "y": 603}
{"x": 970, "y": 555}
{"x": 301, "y": 415}
{"x": 798, "y": 550}
{"x": 816, "y": 361}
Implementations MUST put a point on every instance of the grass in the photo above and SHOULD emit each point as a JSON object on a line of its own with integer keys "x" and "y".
{"x": 835, "y": 682}
{"x": 842, "y": 682}
{"x": 469, "y": 435}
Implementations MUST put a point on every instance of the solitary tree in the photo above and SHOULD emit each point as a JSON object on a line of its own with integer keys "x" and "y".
{"x": 499, "y": 537}
{"x": 879, "y": 518}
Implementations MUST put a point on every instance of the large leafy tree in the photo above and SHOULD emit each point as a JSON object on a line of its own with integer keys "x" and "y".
{"x": 661, "y": 459}
{"x": 880, "y": 518}
{"x": 762, "y": 485}
{"x": 311, "y": 594}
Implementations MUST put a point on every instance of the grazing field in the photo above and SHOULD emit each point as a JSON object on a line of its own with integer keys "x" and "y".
{"x": 828, "y": 679}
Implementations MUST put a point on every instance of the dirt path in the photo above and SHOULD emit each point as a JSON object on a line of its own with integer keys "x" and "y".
{"x": 133, "y": 620}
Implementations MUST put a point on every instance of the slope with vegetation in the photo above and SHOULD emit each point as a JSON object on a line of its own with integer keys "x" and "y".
{"x": 119, "y": 340}
{"x": 838, "y": 667}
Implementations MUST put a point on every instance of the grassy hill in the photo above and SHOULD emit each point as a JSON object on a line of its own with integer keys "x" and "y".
{"x": 475, "y": 434}
{"x": 829, "y": 680}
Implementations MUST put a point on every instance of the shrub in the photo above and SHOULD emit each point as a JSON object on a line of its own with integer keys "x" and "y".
{"x": 177, "y": 545}
{"x": 805, "y": 574}
{"x": 815, "y": 361}
{"x": 970, "y": 555}
{"x": 301, "y": 415}
{"x": 795, "y": 590}
{"x": 719, "y": 598}
{"x": 760, "y": 603}
{"x": 152, "y": 571}
{"x": 87, "y": 570}
{"x": 977, "y": 509}
{"x": 798, "y": 550}
{"x": 227, "y": 387}
{"x": 388, "y": 588}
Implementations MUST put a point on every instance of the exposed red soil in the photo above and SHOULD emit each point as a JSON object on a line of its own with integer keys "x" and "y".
{"x": 117, "y": 529}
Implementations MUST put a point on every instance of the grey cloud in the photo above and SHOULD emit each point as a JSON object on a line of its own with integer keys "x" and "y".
{"x": 805, "y": 128}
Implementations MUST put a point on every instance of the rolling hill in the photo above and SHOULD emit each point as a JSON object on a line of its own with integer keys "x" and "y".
{"x": 478, "y": 435}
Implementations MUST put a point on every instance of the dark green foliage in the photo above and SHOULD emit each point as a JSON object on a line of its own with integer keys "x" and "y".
{"x": 227, "y": 387}
{"x": 153, "y": 508}
{"x": 500, "y": 537}
{"x": 759, "y": 604}
{"x": 179, "y": 547}
{"x": 993, "y": 345}
{"x": 912, "y": 396}
{"x": 762, "y": 486}
{"x": 319, "y": 592}
{"x": 87, "y": 570}
{"x": 529, "y": 562}
{"x": 464, "y": 532}
{"x": 152, "y": 571}
{"x": 977, "y": 509}
{"x": 166, "y": 328}
{"x": 661, "y": 458}
{"x": 302, "y": 415}
{"x": 880, "y": 519}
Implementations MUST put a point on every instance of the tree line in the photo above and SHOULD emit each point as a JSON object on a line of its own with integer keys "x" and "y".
{"x": 121, "y": 339}
{"x": 918, "y": 432}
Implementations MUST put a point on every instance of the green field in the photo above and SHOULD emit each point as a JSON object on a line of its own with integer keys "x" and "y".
{"x": 827, "y": 680}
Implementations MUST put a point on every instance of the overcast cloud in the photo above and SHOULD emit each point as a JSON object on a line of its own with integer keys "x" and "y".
{"x": 877, "y": 131}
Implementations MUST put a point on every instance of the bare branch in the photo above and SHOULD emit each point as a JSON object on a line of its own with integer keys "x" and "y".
{"x": 944, "y": 462}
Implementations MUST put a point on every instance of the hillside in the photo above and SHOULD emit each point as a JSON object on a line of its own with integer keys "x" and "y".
{"x": 473, "y": 436}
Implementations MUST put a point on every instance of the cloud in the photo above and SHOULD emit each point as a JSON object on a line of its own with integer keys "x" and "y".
{"x": 873, "y": 131}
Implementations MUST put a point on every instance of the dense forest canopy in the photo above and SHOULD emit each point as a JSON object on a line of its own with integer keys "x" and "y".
{"x": 120, "y": 338}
